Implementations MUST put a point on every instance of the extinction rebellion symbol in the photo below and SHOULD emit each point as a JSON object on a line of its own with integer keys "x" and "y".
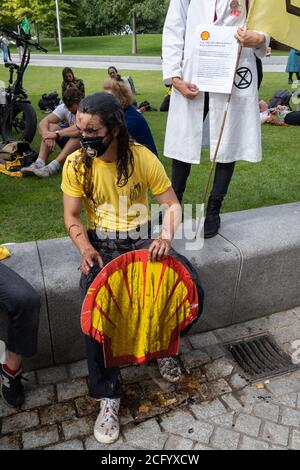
{"x": 243, "y": 78}
{"x": 292, "y": 8}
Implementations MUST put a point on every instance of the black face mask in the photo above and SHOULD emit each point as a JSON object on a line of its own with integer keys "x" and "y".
{"x": 94, "y": 145}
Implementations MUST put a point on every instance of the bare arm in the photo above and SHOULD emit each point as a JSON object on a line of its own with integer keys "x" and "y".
{"x": 45, "y": 124}
{"x": 160, "y": 248}
{"x": 78, "y": 234}
{"x": 71, "y": 131}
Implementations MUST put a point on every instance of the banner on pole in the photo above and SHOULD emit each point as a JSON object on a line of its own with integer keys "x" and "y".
{"x": 279, "y": 18}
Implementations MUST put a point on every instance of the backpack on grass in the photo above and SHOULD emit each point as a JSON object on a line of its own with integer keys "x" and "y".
{"x": 281, "y": 98}
{"x": 14, "y": 156}
{"x": 49, "y": 102}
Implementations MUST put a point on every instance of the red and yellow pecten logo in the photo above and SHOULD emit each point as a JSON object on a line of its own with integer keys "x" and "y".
{"x": 137, "y": 309}
{"x": 205, "y": 36}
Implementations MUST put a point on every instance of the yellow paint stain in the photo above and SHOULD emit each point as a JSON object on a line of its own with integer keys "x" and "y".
{"x": 142, "y": 320}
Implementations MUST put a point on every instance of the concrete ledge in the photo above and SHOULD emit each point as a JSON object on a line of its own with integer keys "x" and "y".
{"x": 218, "y": 264}
{"x": 101, "y": 58}
{"x": 250, "y": 270}
{"x": 275, "y": 60}
{"x": 269, "y": 243}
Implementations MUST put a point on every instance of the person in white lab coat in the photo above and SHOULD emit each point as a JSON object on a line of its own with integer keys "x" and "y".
{"x": 189, "y": 105}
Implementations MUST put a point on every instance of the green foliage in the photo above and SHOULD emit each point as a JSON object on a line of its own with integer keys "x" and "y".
{"x": 13, "y": 11}
{"x": 41, "y": 13}
{"x": 98, "y": 18}
{"x": 149, "y": 14}
{"x": 85, "y": 17}
{"x": 45, "y": 16}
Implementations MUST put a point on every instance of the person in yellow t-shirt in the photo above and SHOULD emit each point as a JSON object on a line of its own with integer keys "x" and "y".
{"x": 111, "y": 176}
{"x": 147, "y": 172}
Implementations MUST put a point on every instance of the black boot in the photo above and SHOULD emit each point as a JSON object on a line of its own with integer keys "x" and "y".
{"x": 212, "y": 220}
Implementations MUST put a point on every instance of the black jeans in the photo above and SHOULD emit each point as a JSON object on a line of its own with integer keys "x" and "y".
{"x": 293, "y": 118}
{"x": 104, "y": 382}
{"x": 292, "y": 73}
{"x": 22, "y": 304}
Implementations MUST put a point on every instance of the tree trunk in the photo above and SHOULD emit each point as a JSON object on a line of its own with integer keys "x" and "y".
{"x": 37, "y": 32}
{"x": 134, "y": 36}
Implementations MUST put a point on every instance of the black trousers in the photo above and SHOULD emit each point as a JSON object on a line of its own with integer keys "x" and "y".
{"x": 21, "y": 303}
{"x": 293, "y": 118}
{"x": 292, "y": 73}
{"x": 104, "y": 382}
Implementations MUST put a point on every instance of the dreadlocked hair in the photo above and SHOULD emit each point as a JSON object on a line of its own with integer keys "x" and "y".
{"x": 111, "y": 114}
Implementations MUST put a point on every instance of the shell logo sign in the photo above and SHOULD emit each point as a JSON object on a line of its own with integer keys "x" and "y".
{"x": 4, "y": 253}
{"x": 205, "y": 35}
{"x": 138, "y": 309}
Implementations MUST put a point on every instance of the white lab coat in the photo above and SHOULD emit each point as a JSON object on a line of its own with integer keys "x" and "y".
{"x": 184, "y": 134}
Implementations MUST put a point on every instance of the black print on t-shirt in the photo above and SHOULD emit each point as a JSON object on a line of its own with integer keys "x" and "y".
{"x": 291, "y": 8}
{"x": 135, "y": 192}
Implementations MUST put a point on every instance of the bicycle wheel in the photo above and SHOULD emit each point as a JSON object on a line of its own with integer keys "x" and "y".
{"x": 19, "y": 122}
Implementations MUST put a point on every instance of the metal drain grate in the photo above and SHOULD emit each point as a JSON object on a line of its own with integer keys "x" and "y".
{"x": 260, "y": 357}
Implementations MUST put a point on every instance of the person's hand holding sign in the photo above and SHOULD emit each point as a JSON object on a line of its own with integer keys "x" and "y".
{"x": 249, "y": 38}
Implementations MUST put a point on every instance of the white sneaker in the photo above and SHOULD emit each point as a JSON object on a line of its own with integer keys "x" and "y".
{"x": 28, "y": 170}
{"x": 169, "y": 369}
{"x": 47, "y": 170}
{"x": 107, "y": 426}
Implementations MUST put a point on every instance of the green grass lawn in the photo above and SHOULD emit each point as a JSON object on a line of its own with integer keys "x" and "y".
{"x": 31, "y": 209}
{"x": 148, "y": 45}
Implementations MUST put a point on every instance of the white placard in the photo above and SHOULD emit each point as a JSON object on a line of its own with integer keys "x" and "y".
{"x": 215, "y": 58}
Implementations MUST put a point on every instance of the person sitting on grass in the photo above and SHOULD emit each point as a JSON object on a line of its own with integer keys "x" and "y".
{"x": 114, "y": 75}
{"x": 22, "y": 304}
{"x": 70, "y": 81}
{"x": 136, "y": 124}
{"x": 280, "y": 115}
{"x": 57, "y": 128}
{"x": 110, "y": 166}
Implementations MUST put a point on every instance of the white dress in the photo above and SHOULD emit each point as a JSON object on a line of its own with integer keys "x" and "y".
{"x": 184, "y": 133}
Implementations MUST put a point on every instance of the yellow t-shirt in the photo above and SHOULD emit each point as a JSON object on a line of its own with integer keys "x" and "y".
{"x": 109, "y": 207}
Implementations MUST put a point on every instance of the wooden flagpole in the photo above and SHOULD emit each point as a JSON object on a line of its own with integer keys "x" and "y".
{"x": 213, "y": 165}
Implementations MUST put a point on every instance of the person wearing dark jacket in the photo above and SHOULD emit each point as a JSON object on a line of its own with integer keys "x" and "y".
{"x": 136, "y": 124}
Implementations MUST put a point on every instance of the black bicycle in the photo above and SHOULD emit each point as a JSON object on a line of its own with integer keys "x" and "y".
{"x": 18, "y": 119}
